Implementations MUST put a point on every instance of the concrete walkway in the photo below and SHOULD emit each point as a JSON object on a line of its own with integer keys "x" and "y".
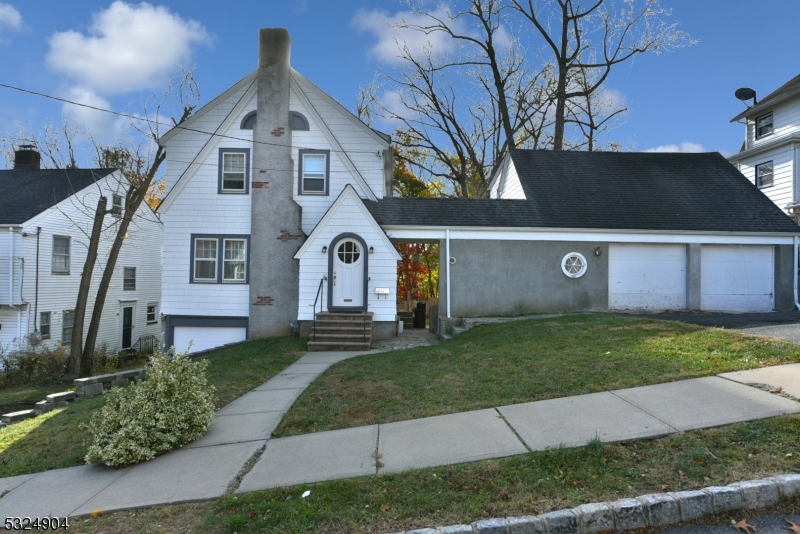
{"x": 205, "y": 469}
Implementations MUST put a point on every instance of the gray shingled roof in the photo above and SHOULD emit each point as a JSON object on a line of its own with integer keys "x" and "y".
{"x": 790, "y": 88}
{"x": 25, "y": 194}
{"x": 607, "y": 190}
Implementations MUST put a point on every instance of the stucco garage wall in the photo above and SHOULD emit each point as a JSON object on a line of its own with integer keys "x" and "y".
{"x": 514, "y": 277}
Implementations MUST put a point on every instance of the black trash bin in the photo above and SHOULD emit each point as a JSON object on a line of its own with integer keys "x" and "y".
{"x": 419, "y": 315}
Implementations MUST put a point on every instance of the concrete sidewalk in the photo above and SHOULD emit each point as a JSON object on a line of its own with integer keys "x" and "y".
{"x": 206, "y": 468}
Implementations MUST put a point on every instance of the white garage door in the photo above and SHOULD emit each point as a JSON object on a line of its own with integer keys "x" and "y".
{"x": 203, "y": 338}
{"x": 736, "y": 278}
{"x": 646, "y": 277}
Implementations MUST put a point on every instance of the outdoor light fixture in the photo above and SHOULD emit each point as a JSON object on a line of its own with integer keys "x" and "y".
{"x": 371, "y": 250}
{"x": 598, "y": 251}
{"x": 324, "y": 250}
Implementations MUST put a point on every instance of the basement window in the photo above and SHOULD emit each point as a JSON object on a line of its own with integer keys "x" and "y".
{"x": 764, "y": 175}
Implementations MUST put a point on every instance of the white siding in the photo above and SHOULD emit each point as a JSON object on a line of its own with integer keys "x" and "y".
{"x": 13, "y": 328}
{"x": 736, "y": 278}
{"x": 780, "y": 192}
{"x": 512, "y": 187}
{"x": 58, "y": 292}
{"x": 382, "y": 267}
{"x": 11, "y": 291}
{"x": 646, "y": 277}
{"x": 785, "y": 120}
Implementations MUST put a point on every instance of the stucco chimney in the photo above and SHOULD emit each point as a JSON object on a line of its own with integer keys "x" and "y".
{"x": 27, "y": 158}
{"x": 276, "y": 233}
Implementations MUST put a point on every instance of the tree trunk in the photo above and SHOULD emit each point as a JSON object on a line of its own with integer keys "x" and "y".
{"x": 78, "y": 364}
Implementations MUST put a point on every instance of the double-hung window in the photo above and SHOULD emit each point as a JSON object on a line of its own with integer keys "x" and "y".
{"x": 220, "y": 259}
{"x": 764, "y": 174}
{"x": 61, "y": 247}
{"x": 764, "y": 125}
{"x": 234, "y": 170}
{"x": 151, "y": 312}
{"x": 45, "y": 325}
{"x": 116, "y": 206}
{"x": 67, "y": 320}
{"x": 128, "y": 278}
{"x": 314, "y": 172}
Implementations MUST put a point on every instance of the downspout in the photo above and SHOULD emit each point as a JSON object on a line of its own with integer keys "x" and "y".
{"x": 794, "y": 273}
{"x": 447, "y": 253}
{"x": 11, "y": 284}
{"x": 36, "y": 292}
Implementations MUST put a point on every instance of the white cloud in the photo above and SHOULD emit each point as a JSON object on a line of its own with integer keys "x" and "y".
{"x": 10, "y": 20}
{"x": 127, "y": 48}
{"x": 383, "y": 27}
{"x": 686, "y": 146}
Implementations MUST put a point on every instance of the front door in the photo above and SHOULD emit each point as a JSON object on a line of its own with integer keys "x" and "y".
{"x": 128, "y": 325}
{"x": 348, "y": 274}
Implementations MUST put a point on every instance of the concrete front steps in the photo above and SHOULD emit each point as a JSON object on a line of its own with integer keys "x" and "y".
{"x": 341, "y": 331}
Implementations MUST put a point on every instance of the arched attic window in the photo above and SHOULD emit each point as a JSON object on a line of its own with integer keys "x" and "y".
{"x": 297, "y": 121}
{"x": 249, "y": 121}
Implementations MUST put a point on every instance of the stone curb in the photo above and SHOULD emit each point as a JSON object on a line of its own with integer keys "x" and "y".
{"x": 654, "y": 510}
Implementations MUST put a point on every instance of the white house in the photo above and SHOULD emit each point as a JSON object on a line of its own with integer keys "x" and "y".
{"x": 45, "y": 220}
{"x": 768, "y": 156}
{"x": 279, "y": 210}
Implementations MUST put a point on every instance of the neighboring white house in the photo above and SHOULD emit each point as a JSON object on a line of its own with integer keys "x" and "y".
{"x": 279, "y": 206}
{"x": 45, "y": 219}
{"x": 768, "y": 156}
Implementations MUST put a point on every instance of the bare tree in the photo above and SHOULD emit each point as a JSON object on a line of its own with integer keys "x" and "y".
{"x": 499, "y": 85}
{"x": 595, "y": 36}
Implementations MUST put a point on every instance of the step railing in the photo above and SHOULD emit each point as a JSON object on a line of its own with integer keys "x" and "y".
{"x": 321, "y": 297}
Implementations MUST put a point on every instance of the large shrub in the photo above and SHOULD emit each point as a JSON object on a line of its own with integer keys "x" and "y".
{"x": 168, "y": 409}
{"x": 32, "y": 366}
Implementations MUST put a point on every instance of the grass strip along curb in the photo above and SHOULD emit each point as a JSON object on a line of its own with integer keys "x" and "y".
{"x": 653, "y": 510}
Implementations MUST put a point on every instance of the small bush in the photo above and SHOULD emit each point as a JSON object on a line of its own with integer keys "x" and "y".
{"x": 33, "y": 366}
{"x": 171, "y": 407}
{"x": 104, "y": 360}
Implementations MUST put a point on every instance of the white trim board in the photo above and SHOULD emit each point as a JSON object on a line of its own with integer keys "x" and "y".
{"x": 554, "y": 234}
{"x": 335, "y": 146}
{"x": 208, "y": 148}
{"x": 348, "y": 191}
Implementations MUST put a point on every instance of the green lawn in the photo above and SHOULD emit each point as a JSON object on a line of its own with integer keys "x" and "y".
{"x": 519, "y": 362}
{"x": 528, "y": 484}
{"x": 56, "y": 439}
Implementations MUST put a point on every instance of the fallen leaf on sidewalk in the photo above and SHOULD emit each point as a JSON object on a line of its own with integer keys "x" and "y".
{"x": 795, "y": 528}
{"x": 744, "y": 526}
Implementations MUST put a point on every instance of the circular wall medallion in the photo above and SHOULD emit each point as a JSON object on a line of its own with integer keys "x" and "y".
{"x": 574, "y": 265}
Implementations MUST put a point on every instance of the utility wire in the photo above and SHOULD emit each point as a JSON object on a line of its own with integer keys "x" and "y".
{"x": 149, "y": 121}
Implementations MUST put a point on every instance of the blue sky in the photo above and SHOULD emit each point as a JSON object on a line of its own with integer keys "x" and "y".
{"x": 113, "y": 54}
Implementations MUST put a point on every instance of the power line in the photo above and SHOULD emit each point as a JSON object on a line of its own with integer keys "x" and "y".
{"x": 149, "y": 121}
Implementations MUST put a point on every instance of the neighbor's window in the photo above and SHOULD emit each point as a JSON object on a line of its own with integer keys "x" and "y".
{"x": 313, "y": 172}
{"x": 67, "y": 320}
{"x": 205, "y": 260}
{"x": 128, "y": 278}
{"x": 151, "y": 313}
{"x": 235, "y": 260}
{"x": 116, "y": 206}
{"x": 234, "y": 165}
{"x": 764, "y": 174}
{"x": 44, "y": 320}
{"x": 764, "y": 126}
{"x": 61, "y": 254}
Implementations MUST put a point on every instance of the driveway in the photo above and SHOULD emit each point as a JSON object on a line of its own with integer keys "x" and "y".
{"x": 783, "y": 325}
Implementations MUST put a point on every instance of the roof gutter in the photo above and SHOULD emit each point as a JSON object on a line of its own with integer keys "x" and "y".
{"x": 793, "y": 137}
{"x": 765, "y": 104}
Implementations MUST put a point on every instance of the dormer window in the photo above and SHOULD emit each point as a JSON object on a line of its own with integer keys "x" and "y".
{"x": 764, "y": 126}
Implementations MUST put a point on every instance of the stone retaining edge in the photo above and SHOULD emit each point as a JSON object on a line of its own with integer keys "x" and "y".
{"x": 653, "y": 510}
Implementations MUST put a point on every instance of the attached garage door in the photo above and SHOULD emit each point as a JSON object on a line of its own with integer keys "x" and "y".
{"x": 736, "y": 278}
{"x": 646, "y": 277}
{"x": 203, "y": 338}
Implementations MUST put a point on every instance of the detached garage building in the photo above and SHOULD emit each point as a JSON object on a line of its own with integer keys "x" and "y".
{"x": 600, "y": 231}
